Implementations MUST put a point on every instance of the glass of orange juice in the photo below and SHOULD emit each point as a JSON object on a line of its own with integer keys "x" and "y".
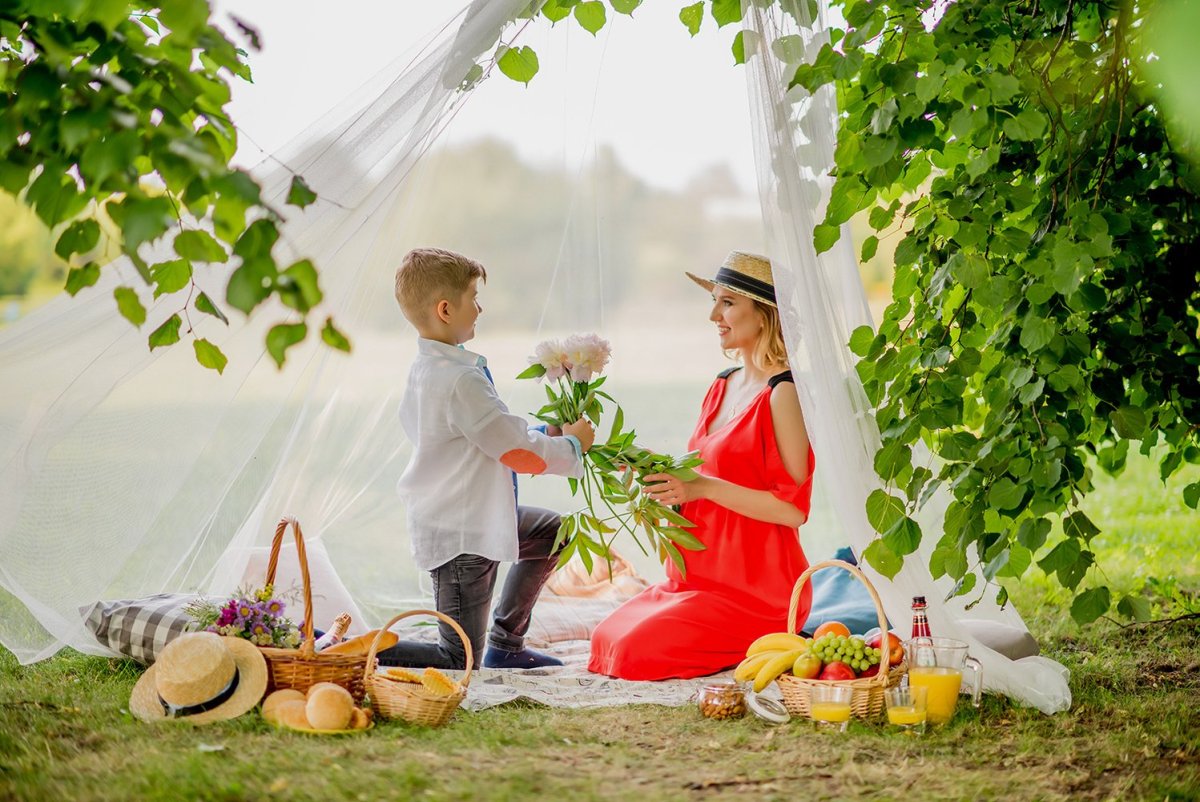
{"x": 937, "y": 665}
{"x": 906, "y": 708}
{"x": 829, "y": 707}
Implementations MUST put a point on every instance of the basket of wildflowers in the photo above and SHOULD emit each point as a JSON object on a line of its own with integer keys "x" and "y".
{"x": 302, "y": 667}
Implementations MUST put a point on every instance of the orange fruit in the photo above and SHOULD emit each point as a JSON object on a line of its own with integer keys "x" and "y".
{"x": 832, "y": 628}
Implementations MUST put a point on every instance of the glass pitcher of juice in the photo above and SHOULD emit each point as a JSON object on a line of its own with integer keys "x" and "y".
{"x": 937, "y": 664}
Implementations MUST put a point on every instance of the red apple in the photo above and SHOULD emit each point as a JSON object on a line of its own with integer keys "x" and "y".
{"x": 836, "y": 671}
{"x": 869, "y": 671}
{"x": 807, "y": 666}
{"x": 894, "y": 650}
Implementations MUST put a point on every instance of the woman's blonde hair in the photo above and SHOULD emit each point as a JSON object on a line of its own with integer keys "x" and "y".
{"x": 769, "y": 351}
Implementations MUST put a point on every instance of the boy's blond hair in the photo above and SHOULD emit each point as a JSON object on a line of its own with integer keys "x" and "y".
{"x": 429, "y": 275}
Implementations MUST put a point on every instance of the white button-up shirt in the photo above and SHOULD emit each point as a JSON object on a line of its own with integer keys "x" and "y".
{"x": 458, "y": 485}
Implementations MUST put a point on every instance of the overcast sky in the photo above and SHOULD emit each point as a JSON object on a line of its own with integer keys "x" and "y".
{"x": 670, "y": 105}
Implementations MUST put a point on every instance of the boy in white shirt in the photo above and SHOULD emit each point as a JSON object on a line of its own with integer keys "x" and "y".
{"x": 459, "y": 488}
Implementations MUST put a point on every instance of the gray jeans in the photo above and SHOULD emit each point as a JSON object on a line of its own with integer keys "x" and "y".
{"x": 462, "y": 589}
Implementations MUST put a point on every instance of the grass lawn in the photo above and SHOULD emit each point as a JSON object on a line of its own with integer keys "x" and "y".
{"x": 1132, "y": 733}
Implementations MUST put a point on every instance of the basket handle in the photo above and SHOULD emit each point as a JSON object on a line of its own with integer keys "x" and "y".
{"x": 306, "y": 647}
{"x": 881, "y": 675}
{"x": 370, "y": 667}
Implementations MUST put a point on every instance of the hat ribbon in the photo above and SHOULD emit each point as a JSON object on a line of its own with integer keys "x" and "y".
{"x": 740, "y": 281}
{"x": 173, "y": 711}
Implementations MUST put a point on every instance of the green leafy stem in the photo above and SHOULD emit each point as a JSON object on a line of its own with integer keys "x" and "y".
{"x": 612, "y": 486}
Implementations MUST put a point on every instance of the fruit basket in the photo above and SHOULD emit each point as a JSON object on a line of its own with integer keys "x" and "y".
{"x": 304, "y": 667}
{"x": 866, "y": 700}
{"x": 411, "y": 701}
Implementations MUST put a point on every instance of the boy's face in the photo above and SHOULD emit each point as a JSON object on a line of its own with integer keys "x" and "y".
{"x": 462, "y": 315}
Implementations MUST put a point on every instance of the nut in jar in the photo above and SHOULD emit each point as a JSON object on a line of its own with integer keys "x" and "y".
{"x": 722, "y": 700}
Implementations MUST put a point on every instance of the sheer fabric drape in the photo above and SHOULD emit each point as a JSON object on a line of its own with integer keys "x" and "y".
{"x": 125, "y": 472}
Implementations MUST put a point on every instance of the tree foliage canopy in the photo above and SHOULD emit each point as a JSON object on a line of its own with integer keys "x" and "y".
{"x": 114, "y": 121}
{"x": 1046, "y": 300}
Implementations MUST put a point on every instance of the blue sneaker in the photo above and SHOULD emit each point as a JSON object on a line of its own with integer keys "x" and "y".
{"x": 526, "y": 658}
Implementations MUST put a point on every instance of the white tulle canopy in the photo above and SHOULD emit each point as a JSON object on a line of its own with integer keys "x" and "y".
{"x": 125, "y": 472}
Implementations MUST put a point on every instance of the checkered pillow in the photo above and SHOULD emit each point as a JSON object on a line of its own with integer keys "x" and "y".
{"x": 139, "y": 628}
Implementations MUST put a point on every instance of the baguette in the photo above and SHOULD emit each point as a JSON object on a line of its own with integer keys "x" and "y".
{"x": 362, "y": 644}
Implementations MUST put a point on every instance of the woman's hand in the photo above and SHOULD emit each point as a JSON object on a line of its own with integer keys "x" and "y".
{"x": 669, "y": 490}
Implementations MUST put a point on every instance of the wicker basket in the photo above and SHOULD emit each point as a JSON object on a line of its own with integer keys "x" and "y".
{"x": 866, "y": 701}
{"x": 302, "y": 668}
{"x": 407, "y": 700}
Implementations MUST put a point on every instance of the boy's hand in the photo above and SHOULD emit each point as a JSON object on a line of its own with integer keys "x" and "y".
{"x": 582, "y": 431}
{"x": 553, "y": 431}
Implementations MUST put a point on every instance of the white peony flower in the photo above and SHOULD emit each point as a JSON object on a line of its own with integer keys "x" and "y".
{"x": 587, "y": 355}
{"x": 551, "y": 355}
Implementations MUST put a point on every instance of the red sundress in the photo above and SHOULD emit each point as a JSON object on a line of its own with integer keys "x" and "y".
{"x": 735, "y": 590}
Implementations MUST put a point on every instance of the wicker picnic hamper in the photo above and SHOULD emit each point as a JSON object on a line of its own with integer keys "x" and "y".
{"x": 866, "y": 701}
{"x": 302, "y": 668}
{"x": 407, "y": 700}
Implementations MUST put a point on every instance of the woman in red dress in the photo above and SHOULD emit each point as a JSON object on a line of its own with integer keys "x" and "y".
{"x": 753, "y": 494}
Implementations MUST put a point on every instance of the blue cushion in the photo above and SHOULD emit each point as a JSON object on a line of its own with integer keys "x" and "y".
{"x": 838, "y": 596}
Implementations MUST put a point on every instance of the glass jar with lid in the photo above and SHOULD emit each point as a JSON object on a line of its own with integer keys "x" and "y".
{"x": 722, "y": 700}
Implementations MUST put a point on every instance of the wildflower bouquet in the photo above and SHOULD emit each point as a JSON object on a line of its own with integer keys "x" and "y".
{"x": 256, "y": 616}
{"x": 614, "y": 469}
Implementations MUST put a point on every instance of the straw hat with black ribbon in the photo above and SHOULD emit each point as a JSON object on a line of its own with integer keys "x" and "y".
{"x": 746, "y": 274}
{"x": 201, "y": 677}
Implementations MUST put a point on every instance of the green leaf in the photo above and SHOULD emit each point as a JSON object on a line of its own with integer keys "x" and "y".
{"x": 691, "y": 16}
{"x": 86, "y": 276}
{"x": 1062, "y": 556}
{"x": 1026, "y": 126}
{"x": 904, "y": 537}
{"x": 79, "y": 237}
{"x": 209, "y": 355}
{"x": 300, "y": 194}
{"x": 1191, "y": 495}
{"x": 726, "y": 11}
{"x": 298, "y": 287}
{"x": 167, "y": 333}
{"x": 1036, "y": 333}
{"x": 334, "y": 338}
{"x": 1129, "y": 422}
{"x": 183, "y": 17}
{"x": 1090, "y": 605}
{"x": 129, "y": 306}
{"x": 891, "y": 460}
{"x": 1134, "y": 607}
{"x": 624, "y": 6}
{"x": 555, "y": 10}
{"x": 534, "y": 371}
{"x": 739, "y": 48}
{"x": 199, "y": 246}
{"x": 883, "y": 559}
{"x": 869, "y": 247}
{"x": 591, "y": 16}
{"x": 250, "y": 284}
{"x": 861, "y": 340}
{"x": 1005, "y": 494}
{"x": 884, "y": 510}
{"x": 825, "y": 236}
{"x": 204, "y": 304}
{"x": 1033, "y": 532}
{"x": 282, "y": 337}
{"x": 1078, "y": 525}
{"x": 141, "y": 219}
{"x": 519, "y": 63}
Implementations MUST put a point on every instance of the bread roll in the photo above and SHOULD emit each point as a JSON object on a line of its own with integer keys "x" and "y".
{"x": 359, "y": 720}
{"x": 270, "y": 705}
{"x": 329, "y": 707}
{"x": 292, "y": 714}
{"x": 308, "y": 694}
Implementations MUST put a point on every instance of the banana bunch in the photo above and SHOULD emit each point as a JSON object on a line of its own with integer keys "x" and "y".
{"x": 770, "y": 656}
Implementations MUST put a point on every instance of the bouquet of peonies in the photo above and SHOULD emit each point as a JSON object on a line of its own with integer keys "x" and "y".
{"x": 614, "y": 468}
{"x": 256, "y": 616}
